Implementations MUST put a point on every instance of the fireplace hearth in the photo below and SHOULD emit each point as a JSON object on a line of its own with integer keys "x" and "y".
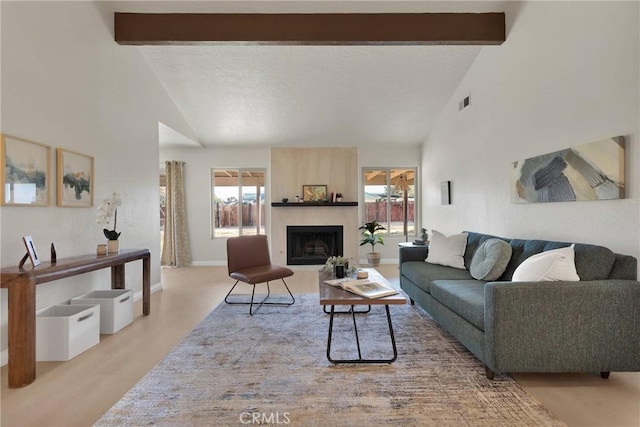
{"x": 313, "y": 244}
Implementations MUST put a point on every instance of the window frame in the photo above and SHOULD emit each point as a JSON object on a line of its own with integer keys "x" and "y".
{"x": 389, "y": 192}
{"x": 239, "y": 197}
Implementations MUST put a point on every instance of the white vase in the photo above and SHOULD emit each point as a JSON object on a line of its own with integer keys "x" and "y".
{"x": 113, "y": 246}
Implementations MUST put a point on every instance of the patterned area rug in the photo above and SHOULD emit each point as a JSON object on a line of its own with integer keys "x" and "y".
{"x": 271, "y": 368}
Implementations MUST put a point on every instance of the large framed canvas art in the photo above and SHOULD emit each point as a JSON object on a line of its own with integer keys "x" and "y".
{"x": 593, "y": 171}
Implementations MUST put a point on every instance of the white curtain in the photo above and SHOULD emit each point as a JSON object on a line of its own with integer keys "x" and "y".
{"x": 175, "y": 248}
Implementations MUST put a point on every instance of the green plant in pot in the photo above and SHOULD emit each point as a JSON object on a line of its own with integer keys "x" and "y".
{"x": 371, "y": 236}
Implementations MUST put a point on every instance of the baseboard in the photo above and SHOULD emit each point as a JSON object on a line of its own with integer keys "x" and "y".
{"x": 362, "y": 263}
{"x": 208, "y": 263}
{"x": 4, "y": 355}
{"x": 154, "y": 288}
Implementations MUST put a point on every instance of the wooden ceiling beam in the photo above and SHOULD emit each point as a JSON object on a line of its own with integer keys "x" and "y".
{"x": 310, "y": 29}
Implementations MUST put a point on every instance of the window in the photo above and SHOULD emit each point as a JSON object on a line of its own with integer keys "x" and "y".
{"x": 389, "y": 198}
{"x": 238, "y": 202}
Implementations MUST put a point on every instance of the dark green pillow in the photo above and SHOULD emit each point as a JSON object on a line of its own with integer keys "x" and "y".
{"x": 490, "y": 260}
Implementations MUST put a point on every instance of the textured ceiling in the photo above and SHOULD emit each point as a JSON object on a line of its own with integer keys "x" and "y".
{"x": 308, "y": 95}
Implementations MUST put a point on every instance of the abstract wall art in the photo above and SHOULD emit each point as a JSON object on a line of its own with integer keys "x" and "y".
{"x": 75, "y": 179}
{"x": 24, "y": 172}
{"x": 593, "y": 171}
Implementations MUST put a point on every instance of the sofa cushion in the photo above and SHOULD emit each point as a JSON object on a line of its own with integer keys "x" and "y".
{"x": 625, "y": 267}
{"x": 447, "y": 251}
{"x": 474, "y": 240}
{"x": 490, "y": 259}
{"x": 592, "y": 262}
{"x": 422, "y": 274}
{"x": 464, "y": 297}
{"x": 556, "y": 264}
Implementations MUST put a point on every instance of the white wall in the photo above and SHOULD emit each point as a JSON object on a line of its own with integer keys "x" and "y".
{"x": 67, "y": 84}
{"x": 567, "y": 75}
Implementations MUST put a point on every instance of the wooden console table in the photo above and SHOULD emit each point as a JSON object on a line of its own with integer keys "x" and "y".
{"x": 21, "y": 284}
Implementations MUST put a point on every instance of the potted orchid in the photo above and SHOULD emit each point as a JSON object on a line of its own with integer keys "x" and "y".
{"x": 106, "y": 211}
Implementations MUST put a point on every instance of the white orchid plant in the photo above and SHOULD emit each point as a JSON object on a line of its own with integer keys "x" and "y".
{"x": 108, "y": 210}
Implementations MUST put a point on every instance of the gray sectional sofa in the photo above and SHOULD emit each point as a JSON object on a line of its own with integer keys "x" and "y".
{"x": 591, "y": 325}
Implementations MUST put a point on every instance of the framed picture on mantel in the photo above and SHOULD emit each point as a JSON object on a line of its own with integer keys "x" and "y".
{"x": 314, "y": 193}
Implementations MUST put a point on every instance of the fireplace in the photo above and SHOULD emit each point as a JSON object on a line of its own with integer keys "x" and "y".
{"x": 313, "y": 244}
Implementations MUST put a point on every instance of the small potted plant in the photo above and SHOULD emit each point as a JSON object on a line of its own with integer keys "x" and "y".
{"x": 332, "y": 262}
{"x": 108, "y": 209}
{"x": 371, "y": 236}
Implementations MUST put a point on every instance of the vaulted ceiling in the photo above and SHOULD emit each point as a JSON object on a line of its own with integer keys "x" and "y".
{"x": 307, "y": 95}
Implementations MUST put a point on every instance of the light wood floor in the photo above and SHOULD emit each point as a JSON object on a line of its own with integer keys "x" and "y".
{"x": 78, "y": 392}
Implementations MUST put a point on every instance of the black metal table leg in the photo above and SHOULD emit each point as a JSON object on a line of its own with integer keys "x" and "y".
{"x": 330, "y": 333}
{"x": 324, "y": 307}
{"x": 360, "y": 359}
{"x": 393, "y": 337}
{"x": 355, "y": 329}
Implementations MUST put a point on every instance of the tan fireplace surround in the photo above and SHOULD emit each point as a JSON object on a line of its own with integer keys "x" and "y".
{"x": 291, "y": 168}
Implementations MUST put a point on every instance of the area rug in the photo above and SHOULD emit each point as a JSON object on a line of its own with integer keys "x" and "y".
{"x": 271, "y": 368}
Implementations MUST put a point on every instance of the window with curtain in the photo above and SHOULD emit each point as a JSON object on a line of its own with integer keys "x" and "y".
{"x": 163, "y": 205}
{"x": 238, "y": 197}
{"x": 390, "y": 199}
{"x": 175, "y": 244}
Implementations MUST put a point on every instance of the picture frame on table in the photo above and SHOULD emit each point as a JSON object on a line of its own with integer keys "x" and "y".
{"x": 25, "y": 171}
{"x": 75, "y": 179}
{"x": 31, "y": 251}
{"x": 314, "y": 193}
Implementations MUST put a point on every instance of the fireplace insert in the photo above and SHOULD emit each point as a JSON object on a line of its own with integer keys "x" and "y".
{"x": 313, "y": 244}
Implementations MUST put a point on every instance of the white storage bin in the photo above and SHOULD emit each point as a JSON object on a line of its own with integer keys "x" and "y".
{"x": 64, "y": 331}
{"x": 116, "y": 308}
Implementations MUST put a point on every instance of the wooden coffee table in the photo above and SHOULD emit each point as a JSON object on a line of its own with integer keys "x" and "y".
{"x": 332, "y": 296}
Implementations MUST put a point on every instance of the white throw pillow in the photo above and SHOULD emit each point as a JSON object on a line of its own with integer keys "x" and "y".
{"x": 447, "y": 251}
{"x": 556, "y": 264}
